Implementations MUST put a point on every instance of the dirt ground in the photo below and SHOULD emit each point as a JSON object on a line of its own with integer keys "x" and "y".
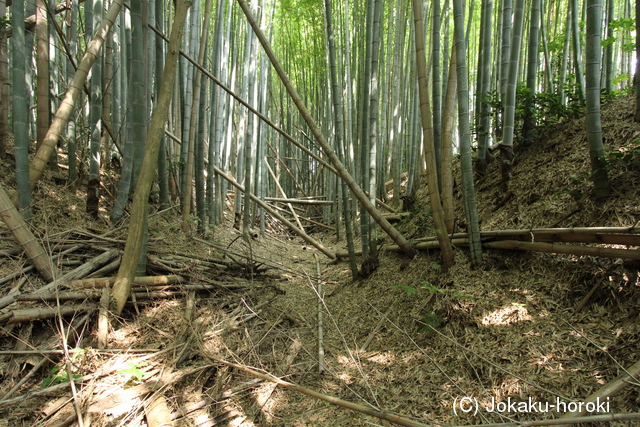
{"x": 411, "y": 339}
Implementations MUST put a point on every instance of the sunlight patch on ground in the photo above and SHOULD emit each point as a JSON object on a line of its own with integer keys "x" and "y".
{"x": 382, "y": 358}
{"x": 507, "y": 315}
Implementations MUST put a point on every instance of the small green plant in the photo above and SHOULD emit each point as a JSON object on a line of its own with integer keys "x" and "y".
{"x": 429, "y": 321}
{"x": 406, "y": 288}
{"x": 58, "y": 376}
{"x": 434, "y": 289}
{"x": 624, "y": 155}
{"x": 133, "y": 372}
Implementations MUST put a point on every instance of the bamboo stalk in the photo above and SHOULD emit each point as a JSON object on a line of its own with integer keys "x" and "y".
{"x": 25, "y": 238}
{"x": 317, "y": 133}
{"x": 137, "y": 281}
{"x": 31, "y": 314}
{"x": 565, "y": 249}
{"x": 298, "y": 201}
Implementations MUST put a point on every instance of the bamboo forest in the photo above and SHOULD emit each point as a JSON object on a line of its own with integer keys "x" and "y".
{"x": 324, "y": 213}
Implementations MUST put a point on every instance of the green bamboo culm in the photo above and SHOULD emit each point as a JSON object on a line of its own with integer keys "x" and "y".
{"x": 20, "y": 107}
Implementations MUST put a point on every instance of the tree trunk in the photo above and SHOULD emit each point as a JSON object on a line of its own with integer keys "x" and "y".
{"x": 432, "y": 178}
{"x": 126, "y": 273}
{"x": 577, "y": 49}
{"x": 195, "y": 104}
{"x": 532, "y": 73}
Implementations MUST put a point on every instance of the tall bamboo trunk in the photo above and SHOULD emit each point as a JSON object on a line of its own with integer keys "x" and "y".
{"x": 320, "y": 139}
{"x": 432, "y": 179}
{"x": 126, "y": 273}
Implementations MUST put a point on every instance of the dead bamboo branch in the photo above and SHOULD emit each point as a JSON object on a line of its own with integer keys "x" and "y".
{"x": 275, "y": 214}
{"x": 378, "y": 413}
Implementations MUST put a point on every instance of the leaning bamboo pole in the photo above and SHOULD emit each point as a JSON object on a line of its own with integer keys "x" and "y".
{"x": 127, "y": 271}
{"x": 317, "y": 133}
{"x": 59, "y": 123}
{"x": 25, "y": 238}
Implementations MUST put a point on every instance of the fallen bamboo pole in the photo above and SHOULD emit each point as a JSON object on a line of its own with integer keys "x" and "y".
{"x": 378, "y": 413}
{"x": 564, "y": 249}
{"x": 138, "y": 281}
{"x": 275, "y": 214}
{"x": 298, "y": 201}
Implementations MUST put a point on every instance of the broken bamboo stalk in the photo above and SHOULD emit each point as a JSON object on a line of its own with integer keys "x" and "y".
{"x": 275, "y": 214}
{"x": 422, "y": 246}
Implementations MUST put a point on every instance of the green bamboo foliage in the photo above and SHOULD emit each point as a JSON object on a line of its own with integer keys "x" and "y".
{"x": 19, "y": 108}
{"x": 594, "y": 124}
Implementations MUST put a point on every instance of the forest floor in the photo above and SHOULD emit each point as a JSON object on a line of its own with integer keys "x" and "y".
{"x": 411, "y": 338}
